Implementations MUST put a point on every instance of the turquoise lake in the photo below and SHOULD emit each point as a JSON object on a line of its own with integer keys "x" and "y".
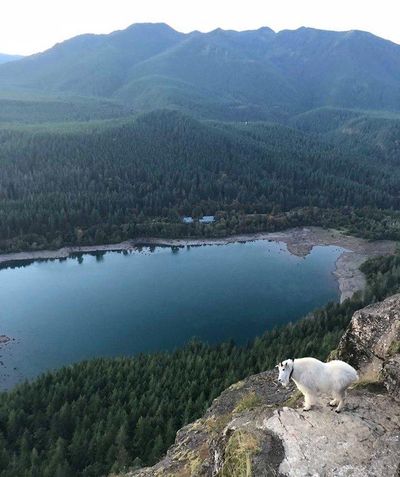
{"x": 63, "y": 311}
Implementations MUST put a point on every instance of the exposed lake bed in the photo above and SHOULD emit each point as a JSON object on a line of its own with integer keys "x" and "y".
{"x": 94, "y": 302}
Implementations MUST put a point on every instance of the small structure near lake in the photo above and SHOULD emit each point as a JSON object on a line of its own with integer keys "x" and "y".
{"x": 206, "y": 219}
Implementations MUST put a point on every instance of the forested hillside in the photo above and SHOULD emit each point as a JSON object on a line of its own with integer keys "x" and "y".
{"x": 37, "y": 109}
{"x": 6, "y": 58}
{"x": 226, "y": 75}
{"x": 109, "y": 181}
{"x": 109, "y": 414}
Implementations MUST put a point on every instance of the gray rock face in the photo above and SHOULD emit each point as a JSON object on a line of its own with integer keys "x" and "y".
{"x": 391, "y": 376}
{"x": 372, "y": 343}
{"x": 256, "y": 428}
{"x": 362, "y": 441}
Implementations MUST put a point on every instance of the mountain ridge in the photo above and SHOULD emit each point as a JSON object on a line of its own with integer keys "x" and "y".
{"x": 5, "y": 58}
{"x": 225, "y": 74}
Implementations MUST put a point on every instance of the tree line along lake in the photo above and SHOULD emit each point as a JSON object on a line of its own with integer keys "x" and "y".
{"x": 150, "y": 299}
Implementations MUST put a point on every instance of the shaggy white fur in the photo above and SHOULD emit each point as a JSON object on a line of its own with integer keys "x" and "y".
{"x": 313, "y": 377}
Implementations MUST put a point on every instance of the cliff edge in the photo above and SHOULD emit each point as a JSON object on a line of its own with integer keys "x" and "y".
{"x": 256, "y": 428}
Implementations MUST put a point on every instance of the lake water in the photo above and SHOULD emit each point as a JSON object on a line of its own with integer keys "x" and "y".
{"x": 65, "y": 311}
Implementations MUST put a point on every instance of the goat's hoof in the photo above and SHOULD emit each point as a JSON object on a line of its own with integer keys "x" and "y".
{"x": 305, "y": 409}
{"x": 332, "y": 403}
{"x": 337, "y": 410}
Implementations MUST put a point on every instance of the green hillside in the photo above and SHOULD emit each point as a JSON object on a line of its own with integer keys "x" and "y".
{"x": 107, "y": 181}
{"x": 93, "y": 65}
{"x": 228, "y": 75}
{"x": 31, "y": 109}
{"x": 372, "y": 134}
{"x": 6, "y": 58}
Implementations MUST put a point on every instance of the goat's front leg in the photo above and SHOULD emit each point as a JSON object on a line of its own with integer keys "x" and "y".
{"x": 308, "y": 401}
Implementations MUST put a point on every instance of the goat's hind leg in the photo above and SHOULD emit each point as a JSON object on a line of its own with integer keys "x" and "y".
{"x": 339, "y": 400}
{"x": 333, "y": 403}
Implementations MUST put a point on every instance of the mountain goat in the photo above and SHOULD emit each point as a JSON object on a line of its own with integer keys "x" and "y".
{"x": 313, "y": 377}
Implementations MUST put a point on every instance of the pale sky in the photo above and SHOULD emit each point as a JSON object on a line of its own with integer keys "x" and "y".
{"x": 30, "y": 26}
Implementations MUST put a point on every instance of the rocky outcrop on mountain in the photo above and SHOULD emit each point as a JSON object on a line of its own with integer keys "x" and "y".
{"x": 231, "y": 437}
{"x": 256, "y": 428}
{"x": 372, "y": 343}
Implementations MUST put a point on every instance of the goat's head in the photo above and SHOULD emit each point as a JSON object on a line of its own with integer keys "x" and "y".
{"x": 285, "y": 369}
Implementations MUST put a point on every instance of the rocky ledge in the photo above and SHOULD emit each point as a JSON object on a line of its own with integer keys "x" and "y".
{"x": 371, "y": 344}
{"x": 256, "y": 428}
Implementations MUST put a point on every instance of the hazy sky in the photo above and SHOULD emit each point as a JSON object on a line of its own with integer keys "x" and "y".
{"x": 29, "y": 26}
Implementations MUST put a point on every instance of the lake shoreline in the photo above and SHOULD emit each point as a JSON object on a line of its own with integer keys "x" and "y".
{"x": 299, "y": 242}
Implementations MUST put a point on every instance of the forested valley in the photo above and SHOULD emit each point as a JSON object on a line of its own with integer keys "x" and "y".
{"x": 106, "y": 138}
{"x": 108, "y": 181}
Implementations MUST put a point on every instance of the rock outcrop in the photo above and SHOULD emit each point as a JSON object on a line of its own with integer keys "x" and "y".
{"x": 371, "y": 344}
{"x": 256, "y": 428}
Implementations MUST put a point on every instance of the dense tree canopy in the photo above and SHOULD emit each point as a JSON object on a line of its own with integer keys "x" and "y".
{"x": 110, "y": 181}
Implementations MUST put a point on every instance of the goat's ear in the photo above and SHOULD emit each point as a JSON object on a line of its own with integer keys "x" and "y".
{"x": 277, "y": 366}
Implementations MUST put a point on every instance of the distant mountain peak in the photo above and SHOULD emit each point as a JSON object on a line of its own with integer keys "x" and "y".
{"x": 157, "y": 26}
{"x": 266, "y": 29}
{"x": 219, "y": 74}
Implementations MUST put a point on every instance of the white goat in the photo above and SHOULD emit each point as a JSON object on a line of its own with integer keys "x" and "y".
{"x": 313, "y": 377}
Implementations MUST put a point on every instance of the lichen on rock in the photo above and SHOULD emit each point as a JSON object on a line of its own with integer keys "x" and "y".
{"x": 371, "y": 343}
